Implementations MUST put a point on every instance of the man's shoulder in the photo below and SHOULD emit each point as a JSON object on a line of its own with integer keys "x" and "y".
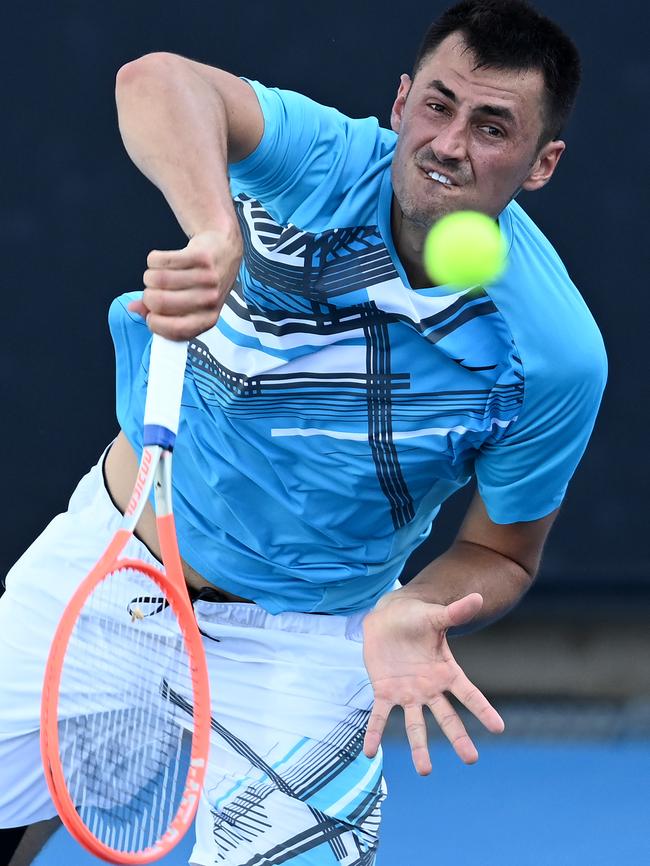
{"x": 550, "y": 321}
{"x": 562, "y": 368}
{"x": 314, "y": 166}
{"x": 296, "y": 105}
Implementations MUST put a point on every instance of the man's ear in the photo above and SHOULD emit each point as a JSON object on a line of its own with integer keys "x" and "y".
{"x": 545, "y": 164}
{"x": 400, "y": 101}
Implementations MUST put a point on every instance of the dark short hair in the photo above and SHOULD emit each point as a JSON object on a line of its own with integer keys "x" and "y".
{"x": 510, "y": 34}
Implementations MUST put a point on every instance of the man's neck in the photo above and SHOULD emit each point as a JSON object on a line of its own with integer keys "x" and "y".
{"x": 409, "y": 241}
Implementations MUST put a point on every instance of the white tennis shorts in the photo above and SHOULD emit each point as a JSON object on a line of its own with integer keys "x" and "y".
{"x": 287, "y": 780}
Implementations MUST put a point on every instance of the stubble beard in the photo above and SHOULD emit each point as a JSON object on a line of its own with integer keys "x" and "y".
{"x": 419, "y": 217}
{"x": 413, "y": 211}
{"x": 415, "y": 214}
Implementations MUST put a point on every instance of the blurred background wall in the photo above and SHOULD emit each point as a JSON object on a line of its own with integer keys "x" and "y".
{"x": 78, "y": 220}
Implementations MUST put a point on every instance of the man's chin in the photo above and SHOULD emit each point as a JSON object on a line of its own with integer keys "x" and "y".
{"x": 421, "y": 212}
{"x": 424, "y": 218}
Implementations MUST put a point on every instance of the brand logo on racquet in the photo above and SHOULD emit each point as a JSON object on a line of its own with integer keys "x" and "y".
{"x": 187, "y": 807}
{"x": 192, "y": 790}
{"x": 140, "y": 482}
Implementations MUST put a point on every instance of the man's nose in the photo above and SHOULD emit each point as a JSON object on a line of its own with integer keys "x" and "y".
{"x": 450, "y": 143}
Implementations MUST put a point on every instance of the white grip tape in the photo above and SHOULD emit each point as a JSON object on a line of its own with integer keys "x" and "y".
{"x": 165, "y": 388}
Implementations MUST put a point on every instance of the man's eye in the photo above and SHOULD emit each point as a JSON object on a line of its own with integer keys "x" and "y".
{"x": 492, "y": 131}
{"x": 437, "y": 107}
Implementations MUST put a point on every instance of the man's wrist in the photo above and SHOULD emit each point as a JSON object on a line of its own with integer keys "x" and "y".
{"x": 224, "y": 223}
{"x": 404, "y": 593}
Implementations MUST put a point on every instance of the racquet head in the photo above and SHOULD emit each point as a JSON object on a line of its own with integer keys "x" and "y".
{"x": 126, "y": 714}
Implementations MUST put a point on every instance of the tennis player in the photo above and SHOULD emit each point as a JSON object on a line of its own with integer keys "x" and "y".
{"x": 334, "y": 399}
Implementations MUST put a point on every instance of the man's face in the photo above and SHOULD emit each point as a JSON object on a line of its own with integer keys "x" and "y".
{"x": 479, "y": 129}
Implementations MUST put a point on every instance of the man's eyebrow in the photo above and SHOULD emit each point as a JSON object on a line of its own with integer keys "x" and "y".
{"x": 492, "y": 110}
{"x": 497, "y": 111}
{"x": 436, "y": 84}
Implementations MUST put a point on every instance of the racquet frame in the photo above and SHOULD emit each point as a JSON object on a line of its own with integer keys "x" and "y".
{"x": 154, "y": 471}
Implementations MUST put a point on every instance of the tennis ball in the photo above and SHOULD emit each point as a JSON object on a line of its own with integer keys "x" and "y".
{"x": 464, "y": 249}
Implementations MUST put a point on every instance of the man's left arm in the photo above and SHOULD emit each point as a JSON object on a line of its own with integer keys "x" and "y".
{"x": 484, "y": 573}
{"x": 497, "y": 560}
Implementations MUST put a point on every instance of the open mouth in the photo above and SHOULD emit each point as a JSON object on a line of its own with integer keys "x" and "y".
{"x": 440, "y": 178}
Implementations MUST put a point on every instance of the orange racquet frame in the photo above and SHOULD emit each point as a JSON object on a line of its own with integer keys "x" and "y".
{"x": 167, "y": 368}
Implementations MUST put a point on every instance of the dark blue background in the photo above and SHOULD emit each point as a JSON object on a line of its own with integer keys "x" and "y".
{"x": 78, "y": 220}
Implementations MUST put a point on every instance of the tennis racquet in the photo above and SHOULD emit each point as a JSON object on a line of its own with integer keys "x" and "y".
{"x": 125, "y": 714}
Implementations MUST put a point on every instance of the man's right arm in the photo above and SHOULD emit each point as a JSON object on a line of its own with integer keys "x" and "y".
{"x": 181, "y": 123}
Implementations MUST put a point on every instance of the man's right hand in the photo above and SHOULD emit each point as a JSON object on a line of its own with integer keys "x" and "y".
{"x": 186, "y": 289}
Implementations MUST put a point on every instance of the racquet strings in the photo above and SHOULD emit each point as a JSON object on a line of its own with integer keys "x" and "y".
{"x": 125, "y": 705}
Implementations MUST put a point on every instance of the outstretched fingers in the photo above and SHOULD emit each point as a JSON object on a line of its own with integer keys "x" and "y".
{"x": 453, "y": 728}
{"x": 476, "y": 702}
{"x": 375, "y": 728}
{"x": 416, "y": 731}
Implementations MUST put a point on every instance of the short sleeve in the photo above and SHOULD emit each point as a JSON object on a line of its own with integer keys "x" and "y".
{"x": 524, "y": 475}
{"x": 309, "y": 154}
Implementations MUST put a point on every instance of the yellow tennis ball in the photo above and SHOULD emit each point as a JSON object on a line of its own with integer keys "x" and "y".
{"x": 464, "y": 249}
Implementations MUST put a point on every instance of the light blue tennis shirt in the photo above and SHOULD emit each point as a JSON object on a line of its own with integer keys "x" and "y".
{"x": 333, "y": 408}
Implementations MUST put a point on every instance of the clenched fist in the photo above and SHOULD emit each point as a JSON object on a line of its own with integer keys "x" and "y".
{"x": 186, "y": 289}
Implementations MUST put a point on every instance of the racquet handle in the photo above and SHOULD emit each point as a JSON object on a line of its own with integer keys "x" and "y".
{"x": 164, "y": 391}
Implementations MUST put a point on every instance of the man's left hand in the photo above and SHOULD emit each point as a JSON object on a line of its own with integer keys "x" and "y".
{"x": 410, "y": 665}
